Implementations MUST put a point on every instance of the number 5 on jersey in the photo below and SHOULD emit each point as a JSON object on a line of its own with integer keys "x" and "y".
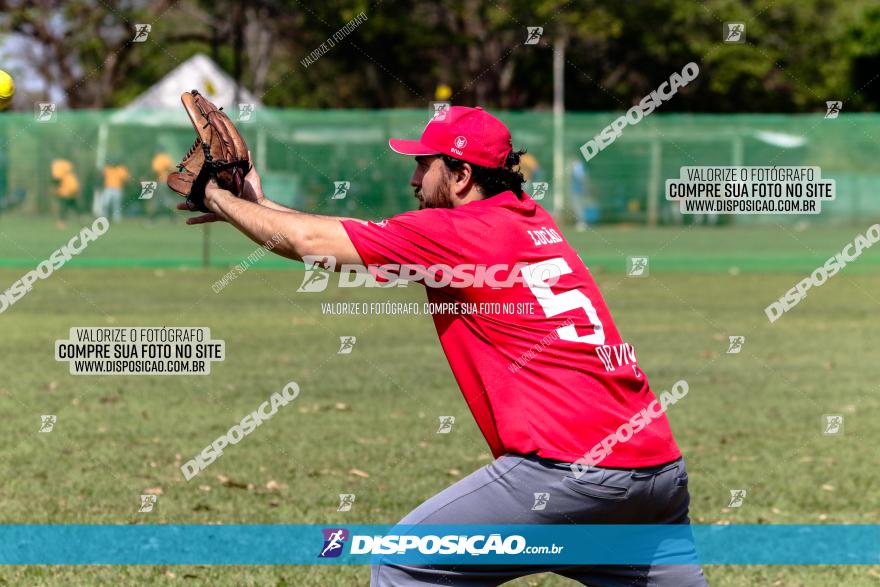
{"x": 537, "y": 276}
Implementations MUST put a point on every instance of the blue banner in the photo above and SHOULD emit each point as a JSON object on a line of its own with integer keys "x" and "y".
{"x": 438, "y": 544}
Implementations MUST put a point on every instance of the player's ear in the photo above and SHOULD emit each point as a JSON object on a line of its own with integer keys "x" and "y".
{"x": 462, "y": 178}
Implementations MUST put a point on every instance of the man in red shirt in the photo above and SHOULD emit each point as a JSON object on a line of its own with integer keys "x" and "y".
{"x": 555, "y": 390}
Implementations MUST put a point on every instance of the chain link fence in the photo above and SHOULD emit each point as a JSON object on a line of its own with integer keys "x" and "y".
{"x": 338, "y": 162}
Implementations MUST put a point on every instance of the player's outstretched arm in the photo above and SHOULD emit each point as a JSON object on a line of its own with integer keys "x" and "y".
{"x": 252, "y": 190}
{"x": 291, "y": 233}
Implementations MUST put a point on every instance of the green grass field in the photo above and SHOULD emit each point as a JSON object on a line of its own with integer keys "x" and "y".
{"x": 751, "y": 420}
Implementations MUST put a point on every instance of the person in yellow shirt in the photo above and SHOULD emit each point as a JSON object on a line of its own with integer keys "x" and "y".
{"x": 529, "y": 167}
{"x": 115, "y": 178}
{"x": 165, "y": 199}
{"x": 66, "y": 189}
{"x": 163, "y": 164}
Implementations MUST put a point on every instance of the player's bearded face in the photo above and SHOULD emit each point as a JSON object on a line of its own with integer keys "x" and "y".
{"x": 432, "y": 183}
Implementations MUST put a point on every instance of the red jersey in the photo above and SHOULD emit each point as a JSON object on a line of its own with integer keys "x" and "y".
{"x": 532, "y": 344}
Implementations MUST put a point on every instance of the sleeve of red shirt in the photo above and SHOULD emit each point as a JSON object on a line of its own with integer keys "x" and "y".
{"x": 421, "y": 237}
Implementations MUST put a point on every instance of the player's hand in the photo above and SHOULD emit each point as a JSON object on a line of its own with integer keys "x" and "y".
{"x": 210, "y": 217}
{"x": 252, "y": 190}
{"x": 212, "y": 193}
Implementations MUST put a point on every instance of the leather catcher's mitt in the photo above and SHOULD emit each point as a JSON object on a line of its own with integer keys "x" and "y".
{"x": 219, "y": 153}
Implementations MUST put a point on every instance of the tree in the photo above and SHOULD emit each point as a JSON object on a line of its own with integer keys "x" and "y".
{"x": 797, "y": 54}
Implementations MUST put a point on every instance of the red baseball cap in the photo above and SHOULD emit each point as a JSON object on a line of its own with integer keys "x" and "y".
{"x": 469, "y": 134}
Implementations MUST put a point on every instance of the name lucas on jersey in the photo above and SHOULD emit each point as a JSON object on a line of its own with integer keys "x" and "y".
{"x": 545, "y": 236}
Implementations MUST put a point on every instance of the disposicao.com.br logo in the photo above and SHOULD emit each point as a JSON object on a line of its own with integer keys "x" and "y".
{"x": 431, "y": 544}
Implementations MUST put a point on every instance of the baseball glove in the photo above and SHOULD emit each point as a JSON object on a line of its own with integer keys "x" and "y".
{"x": 219, "y": 153}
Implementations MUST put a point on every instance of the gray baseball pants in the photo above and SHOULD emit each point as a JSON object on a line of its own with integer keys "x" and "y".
{"x": 503, "y": 493}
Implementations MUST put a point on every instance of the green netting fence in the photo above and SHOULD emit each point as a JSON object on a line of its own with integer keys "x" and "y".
{"x": 302, "y": 154}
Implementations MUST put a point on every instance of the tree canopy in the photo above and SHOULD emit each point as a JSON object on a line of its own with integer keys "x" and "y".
{"x": 797, "y": 53}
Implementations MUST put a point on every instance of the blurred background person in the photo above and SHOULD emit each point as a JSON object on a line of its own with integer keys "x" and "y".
{"x": 115, "y": 177}
{"x": 585, "y": 205}
{"x": 66, "y": 189}
{"x": 163, "y": 198}
{"x": 530, "y": 167}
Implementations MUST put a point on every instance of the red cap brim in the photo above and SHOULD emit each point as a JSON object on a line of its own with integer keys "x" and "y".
{"x": 410, "y": 147}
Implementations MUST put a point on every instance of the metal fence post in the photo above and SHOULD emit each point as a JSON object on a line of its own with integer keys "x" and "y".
{"x": 654, "y": 183}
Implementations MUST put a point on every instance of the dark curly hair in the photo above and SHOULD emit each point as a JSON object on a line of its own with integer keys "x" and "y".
{"x": 491, "y": 181}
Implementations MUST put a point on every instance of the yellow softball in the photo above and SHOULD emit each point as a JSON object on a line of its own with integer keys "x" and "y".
{"x": 7, "y": 89}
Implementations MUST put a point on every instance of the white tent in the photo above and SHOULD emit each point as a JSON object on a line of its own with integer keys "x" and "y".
{"x": 198, "y": 72}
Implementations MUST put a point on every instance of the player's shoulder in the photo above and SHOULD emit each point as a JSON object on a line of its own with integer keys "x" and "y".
{"x": 415, "y": 219}
{"x": 425, "y": 217}
{"x": 499, "y": 210}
